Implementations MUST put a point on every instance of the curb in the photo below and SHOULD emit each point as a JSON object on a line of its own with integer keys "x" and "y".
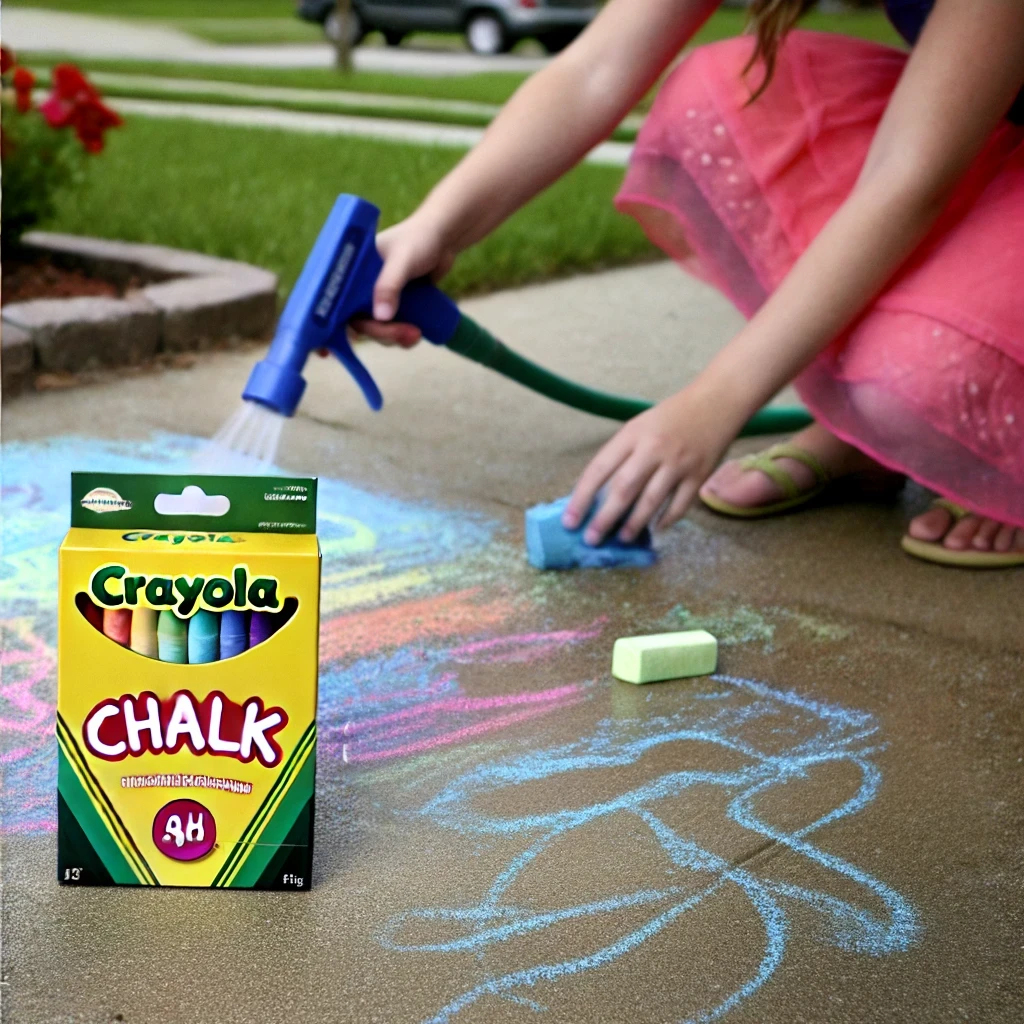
{"x": 187, "y": 302}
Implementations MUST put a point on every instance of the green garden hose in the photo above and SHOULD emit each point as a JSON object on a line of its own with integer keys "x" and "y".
{"x": 475, "y": 343}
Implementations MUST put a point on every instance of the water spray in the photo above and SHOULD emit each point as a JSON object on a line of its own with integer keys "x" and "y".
{"x": 336, "y": 286}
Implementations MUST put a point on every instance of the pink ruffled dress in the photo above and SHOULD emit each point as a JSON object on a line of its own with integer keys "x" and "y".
{"x": 930, "y": 379}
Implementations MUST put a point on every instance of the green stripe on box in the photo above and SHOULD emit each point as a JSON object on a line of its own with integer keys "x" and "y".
{"x": 257, "y": 856}
{"x": 125, "y": 501}
{"x": 90, "y": 786}
{"x": 281, "y": 784}
{"x": 92, "y": 825}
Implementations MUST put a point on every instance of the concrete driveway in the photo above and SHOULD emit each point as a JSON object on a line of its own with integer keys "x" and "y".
{"x": 828, "y": 830}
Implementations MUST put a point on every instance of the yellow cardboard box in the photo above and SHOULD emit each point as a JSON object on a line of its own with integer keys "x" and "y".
{"x": 188, "y": 632}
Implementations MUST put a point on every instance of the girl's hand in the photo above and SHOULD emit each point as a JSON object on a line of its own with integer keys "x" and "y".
{"x": 657, "y": 461}
{"x": 413, "y": 248}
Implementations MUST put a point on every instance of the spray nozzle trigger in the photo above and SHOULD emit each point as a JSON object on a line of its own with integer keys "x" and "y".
{"x": 336, "y": 285}
{"x": 342, "y": 348}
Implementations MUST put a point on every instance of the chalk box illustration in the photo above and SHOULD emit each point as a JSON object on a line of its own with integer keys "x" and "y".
{"x": 187, "y": 682}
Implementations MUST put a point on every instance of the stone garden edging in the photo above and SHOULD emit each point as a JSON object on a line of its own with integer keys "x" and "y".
{"x": 187, "y": 301}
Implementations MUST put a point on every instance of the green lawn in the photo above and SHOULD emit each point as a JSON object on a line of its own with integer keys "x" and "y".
{"x": 865, "y": 24}
{"x": 261, "y": 196}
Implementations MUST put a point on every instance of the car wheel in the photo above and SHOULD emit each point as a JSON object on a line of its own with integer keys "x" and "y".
{"x": 486, "y": 35}
{"x": 356, "y": 30}
{"x": 393, "y": 37}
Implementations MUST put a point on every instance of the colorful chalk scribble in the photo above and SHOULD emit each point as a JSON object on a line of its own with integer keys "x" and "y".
{"x": 413, "y": 597}
{"x": 804, "y": 736}
{"x": 402, "y": 608}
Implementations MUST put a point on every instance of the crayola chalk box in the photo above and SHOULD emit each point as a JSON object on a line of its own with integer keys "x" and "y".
{"x": 188, "y": 628}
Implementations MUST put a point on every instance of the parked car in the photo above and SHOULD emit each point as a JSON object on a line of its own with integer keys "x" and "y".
{"x": 490, "y": 26}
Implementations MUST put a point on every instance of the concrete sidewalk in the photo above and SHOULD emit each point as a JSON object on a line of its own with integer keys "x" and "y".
{"x": 83, "y": 35}
{"x": 611, "y": 154}
{"x": 829, "y": 830}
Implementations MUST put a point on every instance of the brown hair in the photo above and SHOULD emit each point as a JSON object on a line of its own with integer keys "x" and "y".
{"x": 771, "y": 20}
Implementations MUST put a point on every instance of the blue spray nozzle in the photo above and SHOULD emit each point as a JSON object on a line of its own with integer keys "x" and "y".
{"x": 336, "y": 285}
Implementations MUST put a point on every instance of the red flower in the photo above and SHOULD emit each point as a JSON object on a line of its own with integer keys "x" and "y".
{"x": 91, "y": 119}
{"x": 76, "y": 103}
{"x": 70, "y": 87}
{"x": 70, "y": 84}
{"x": 56, "y": 111}
{"x": 23, "y": 82}
{"x": 6, "y": 60}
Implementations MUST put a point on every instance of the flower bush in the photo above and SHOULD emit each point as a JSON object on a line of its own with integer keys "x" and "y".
{"x": 42, "y": 147}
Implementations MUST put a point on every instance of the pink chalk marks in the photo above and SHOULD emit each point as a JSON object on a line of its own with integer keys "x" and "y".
{"x": 27, "y": 670}
{"x": 437, "y": 713}
{"x": 26, "y": 663}
{"x": 385, "y": 736}
{"x": 526, "y": 646}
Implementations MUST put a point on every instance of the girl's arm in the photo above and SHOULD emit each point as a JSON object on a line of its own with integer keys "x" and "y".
{"x": 554, "y": 119}
{"x": 958, "y": 84}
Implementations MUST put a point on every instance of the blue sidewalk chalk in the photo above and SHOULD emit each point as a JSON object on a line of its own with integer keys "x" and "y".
{"x": 549, "y": 545}
{"x": 234, "y": 633}
{"x": 203, "y": 637}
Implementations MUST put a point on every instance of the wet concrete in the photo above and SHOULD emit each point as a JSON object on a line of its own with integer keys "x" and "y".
{"x": 828, "y": 831}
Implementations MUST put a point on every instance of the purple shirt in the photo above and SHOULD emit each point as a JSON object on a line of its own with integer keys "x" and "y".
{"x": 908, "y": 18}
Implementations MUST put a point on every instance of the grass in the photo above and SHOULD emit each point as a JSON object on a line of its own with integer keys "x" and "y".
{"x": 871, "y": 25}
{"x": 261, "y": 196}
{"x": 487, "y": 87}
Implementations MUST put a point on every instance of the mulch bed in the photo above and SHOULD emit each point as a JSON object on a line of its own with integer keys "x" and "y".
{"x": 38, "y": 278}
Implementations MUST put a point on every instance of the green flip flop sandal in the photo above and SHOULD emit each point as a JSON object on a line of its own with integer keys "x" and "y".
{"x": 766, "y": 462}
{"x": 937, "y": 552}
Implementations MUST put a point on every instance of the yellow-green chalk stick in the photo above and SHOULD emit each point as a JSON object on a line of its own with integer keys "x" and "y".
{"x": 650, "y": 659}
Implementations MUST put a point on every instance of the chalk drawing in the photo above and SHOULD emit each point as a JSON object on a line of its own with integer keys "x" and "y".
{"x": 408, "y": 600}
{"x": 410, "y": 701}
{"x": 732, "y": 624}
{"x": 804, "y": 735}
{"x": 416, "y": 596}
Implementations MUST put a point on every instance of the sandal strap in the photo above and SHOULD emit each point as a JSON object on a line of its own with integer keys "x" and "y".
{"x": 958, "y": 512}
{"x": 765, "y": 461}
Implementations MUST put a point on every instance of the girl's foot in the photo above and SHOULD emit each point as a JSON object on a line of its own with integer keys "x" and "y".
{"x": 753, "y": 489}
{"x": 939, "y": 525}
{"x": 746, "y": 488}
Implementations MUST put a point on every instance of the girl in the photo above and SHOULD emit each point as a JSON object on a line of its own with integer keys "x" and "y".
{"x": 863, "y": 208}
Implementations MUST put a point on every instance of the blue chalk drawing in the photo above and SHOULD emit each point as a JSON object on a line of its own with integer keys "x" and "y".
{"x": 794, "y": 736}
